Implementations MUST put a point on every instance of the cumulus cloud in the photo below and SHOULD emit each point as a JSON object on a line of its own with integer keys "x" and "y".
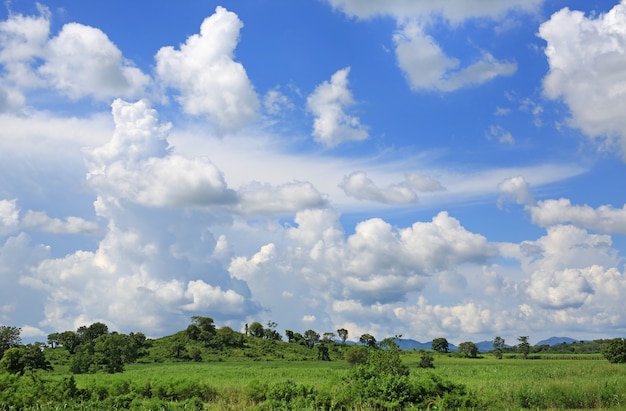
{"x": 288, "y": 198}
{"x": 428, "y": 68}
{"x": 605, "y": 218}
{"x": 23, "y": 39}
{"x": 424, "y": 183}
{"x": 559, "y": 289}
{"x": 9, "y": 216}
{"x": 11, "y": 221}
{"x": 206, "y": 76}
{"x": 82, "y": 61}
{"x": 359, "y": 186}
{"x": 70, "y": 225}
{"x": 332, "y": 125}
{"x": 381, "y": 263}
{"x": 516, "y": 189}
{"x": 587, "y": 59}
{"x": 136, "y": 165}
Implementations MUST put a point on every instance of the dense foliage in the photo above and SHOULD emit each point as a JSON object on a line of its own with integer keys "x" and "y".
{"x": 615, "y": 351}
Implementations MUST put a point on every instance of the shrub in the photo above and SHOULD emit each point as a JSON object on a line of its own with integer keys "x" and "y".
{"x": 426, "y": 361}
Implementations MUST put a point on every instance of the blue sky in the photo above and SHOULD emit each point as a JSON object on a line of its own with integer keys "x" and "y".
{"x": 394, "y": 167}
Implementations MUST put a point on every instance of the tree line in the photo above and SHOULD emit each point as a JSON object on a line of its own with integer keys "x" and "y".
{"x": 94, "y": 348}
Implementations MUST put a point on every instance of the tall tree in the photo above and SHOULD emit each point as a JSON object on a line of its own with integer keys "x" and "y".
{"x": 498, "y": 346}
{"x": 368, "y": 340}
{"x": 9, "y": 338}
{"x": 256, "y": 329}
{"x": 328, "y": 337}
{"x": 53, "y": 340}
{"x": 524, "y": 346}
{"x": 440, "y": 345}
{"x": 311, "y": 337}
{"x": 343, "y": 334}
{"x": 469, "y": 349}
{"x": 69, "y": 340}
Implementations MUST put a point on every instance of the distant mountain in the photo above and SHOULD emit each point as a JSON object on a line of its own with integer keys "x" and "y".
{"x": 556, "y": 341}
{"x": 485, "y": 346}
{"x": 409, "y": 344}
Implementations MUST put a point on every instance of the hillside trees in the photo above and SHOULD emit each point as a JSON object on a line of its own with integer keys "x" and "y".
{"x": 30, "y": 357}
{"x": 311, "y": 337}
{"x": 256, "y": 329}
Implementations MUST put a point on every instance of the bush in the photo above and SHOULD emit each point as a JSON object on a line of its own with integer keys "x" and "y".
{"x": 615, "y": 351}
{"x": 426, "y": 361}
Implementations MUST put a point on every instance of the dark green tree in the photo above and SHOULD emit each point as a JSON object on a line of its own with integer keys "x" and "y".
{"x": 615, "y": 351}
{"x": 311, "y": 337}
{"x": 9, "y": 338}
{"x": 498, "y": 346}
{"x": 53, "y": 340}
{"x": 69, "y": 340}
{"x": 201, "y": 329}
{"x": 256, "y": 329}
{"x": 289, "y": 334}
{"x": 322, "y": 352}
{"x": 356, "y": 355}
{"x": 468, "y": 349}
{"x": 109, "y": 352}
{"x": 328, "y": 337}
{"x": 524, "y": 346}
{"x": 368, "y": 340}
{"x": 270, "y": 332}
{"x": 95, "y": 330}
{"x": 30, "y": 357}
{"x": 440, "y": 345}
{"x": 343, "y": 335}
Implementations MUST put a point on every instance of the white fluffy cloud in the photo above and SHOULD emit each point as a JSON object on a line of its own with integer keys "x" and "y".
{"x": 332, "y": 125}
{"x": 23, "y": 39}
{"x": 587, "y": 58}
{"x": 11, "y": 221}
{"x": 517, "y": 189}
{"x": 136, "y": 165}
{"x": 82, "y": 61}
{"x": 381, "y": 263}
{"x": 605, "y": 218}
{"x": 427, "y": 67}
{"x": 9, "y": 216}
{"x": 359, "y": 186}
{"x": 207, "y": 78}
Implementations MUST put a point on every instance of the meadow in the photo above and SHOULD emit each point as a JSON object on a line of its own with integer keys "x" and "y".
{"x": 562, "y": 382}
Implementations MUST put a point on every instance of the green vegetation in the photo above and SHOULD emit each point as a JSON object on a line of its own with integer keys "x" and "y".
{"x": 208, "y": 368}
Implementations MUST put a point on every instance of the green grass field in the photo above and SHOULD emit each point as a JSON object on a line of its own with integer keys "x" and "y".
{"x": 564, "y": 382}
